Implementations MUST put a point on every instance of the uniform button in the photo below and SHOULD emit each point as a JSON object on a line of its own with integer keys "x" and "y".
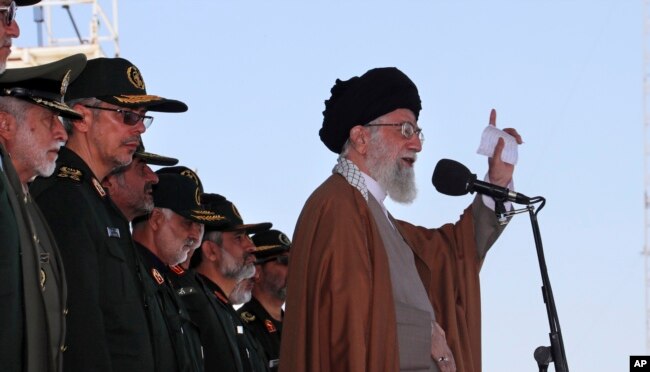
{"x": 65, "y": 311}
{"x": 64, "y": 348}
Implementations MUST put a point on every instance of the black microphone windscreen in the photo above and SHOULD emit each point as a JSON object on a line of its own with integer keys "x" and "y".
{"x": 451, "y": 178}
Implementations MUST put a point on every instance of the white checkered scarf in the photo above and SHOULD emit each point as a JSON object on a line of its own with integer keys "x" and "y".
{"x": 352, "y": 174}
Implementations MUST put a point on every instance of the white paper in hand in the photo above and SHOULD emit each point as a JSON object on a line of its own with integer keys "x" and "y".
{"x": 489, "y": 140}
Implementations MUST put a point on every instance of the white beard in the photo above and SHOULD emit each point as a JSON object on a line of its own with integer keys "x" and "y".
{"x": 387, "y": 169}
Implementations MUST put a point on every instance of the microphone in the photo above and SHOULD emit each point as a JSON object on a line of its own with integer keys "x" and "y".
{"x": 453, "y": 178}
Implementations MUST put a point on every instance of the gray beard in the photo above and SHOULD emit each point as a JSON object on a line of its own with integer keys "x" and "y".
{"x": 240, "y": 295}
{"x": 387, "y": 170}
{"x": 230, "y": 269}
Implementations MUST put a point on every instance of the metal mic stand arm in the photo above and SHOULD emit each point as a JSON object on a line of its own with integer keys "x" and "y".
{"x": 544, "y": 355}
{"x": 557, "y": 352}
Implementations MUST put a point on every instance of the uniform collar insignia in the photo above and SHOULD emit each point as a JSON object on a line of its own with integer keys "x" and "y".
{"x": 221, "y": 297}
{"x": 99, "y": 188}
{"x": 156, "y": 275}
{"x": 177, "y": 269}
{"x": 247, "y": 317}
{"x": 269, "y": 326}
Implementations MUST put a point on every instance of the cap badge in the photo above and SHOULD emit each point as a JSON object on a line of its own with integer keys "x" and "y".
{"x": 64, "y": 83}
{"x": 197, "y": 195}
{"x": 133, "y": 74}
{"x": 236, "y": 212}
{"x": 191, "y": 175}
{"x": 284, "y": 239}
{"x": 156, "y": 275}
{"x": 269, "y": 326}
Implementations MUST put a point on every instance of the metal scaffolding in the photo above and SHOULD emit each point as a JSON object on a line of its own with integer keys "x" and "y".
{"x": 57, "y": 20}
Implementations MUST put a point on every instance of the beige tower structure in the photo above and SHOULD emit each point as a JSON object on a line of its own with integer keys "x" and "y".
{"x": 66, "y": 27}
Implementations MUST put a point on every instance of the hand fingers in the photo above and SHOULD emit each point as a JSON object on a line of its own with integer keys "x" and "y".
{"x": 493, "y": 118}
{"x": 513, "y": 132}
{"x": 498, "y": 149}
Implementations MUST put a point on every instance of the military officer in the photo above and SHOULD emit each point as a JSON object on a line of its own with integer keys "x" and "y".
{"x": 131, "y": 187}
{"x": 263, "y": 313}
{"x": 223, "y": 259}
{"x": 32, "y": 282}
{"x": 107, "y": 323}
{"x": 164, "y": 238}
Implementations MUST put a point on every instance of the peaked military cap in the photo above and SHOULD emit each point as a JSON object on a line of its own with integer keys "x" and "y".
{"x": 269, "y": 244}
{"x": 44, "y": 85}
{"x": 181, "y": 195}
{"x": 26, "y": 2}
{"x": 233, "y": 221}
{"x": 151, "y": 158}
{"x": 183, "y": 171}
{"x": 119, "y": 82}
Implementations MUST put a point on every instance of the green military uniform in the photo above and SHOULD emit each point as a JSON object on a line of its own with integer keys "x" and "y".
{"x": 177, "y": 346}
{"x": 31, "y": 280}
{"x": 11, "y": 294}
{"x": 107, "y": 327}
{"x": 265, "y": 329}
{"x": 228, "y": 346}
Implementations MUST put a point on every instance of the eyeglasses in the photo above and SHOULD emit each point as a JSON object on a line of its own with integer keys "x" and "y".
{"x": 282, "y": 260}
{"x": 10, "y": 13}
{"x": 408, "y": 129}
{"x": 128, "y": 117}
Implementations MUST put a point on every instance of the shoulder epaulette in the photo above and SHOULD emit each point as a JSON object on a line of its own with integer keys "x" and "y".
{"x": 71, "y": 173}
{"x": 247, "y": 317}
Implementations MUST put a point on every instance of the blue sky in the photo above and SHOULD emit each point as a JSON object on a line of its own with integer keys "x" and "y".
{"x": 567, "y": 74}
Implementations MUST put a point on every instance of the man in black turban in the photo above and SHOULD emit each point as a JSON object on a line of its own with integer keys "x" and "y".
{"x": 368, "y": 292}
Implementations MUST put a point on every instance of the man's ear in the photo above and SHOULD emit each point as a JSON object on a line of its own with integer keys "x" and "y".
{"x": 8, "y": 126}
{"x": 83, "y": 124}
{"x": 156, "y": 219}
{"x": 359, "y": 139}
{"x": 210, "y": 251}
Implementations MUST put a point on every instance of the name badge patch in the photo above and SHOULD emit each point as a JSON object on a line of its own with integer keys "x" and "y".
{"x": 113, "y": 232}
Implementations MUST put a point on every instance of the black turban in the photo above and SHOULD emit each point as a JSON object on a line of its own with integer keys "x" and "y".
{"x": 361, "y": 100}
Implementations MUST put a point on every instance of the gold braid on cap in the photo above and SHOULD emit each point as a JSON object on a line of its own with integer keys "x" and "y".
{"x": 137, "y": 99}
{"x": 207, "y": 216}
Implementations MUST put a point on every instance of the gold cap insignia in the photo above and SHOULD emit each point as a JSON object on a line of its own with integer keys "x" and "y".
{"x": 284, "y": 239}
{"x": 133, "y": 74}
{"x": 247, "y": 317}
{"x": 191, "y": 174}
{"x": 64, "y": 83}
{"x": 236, "y": 212}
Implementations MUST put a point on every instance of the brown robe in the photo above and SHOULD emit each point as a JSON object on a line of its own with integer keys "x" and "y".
{"x": 340, "y": 314}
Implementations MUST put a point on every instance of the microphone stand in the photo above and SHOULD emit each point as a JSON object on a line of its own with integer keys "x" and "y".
{"x": 544, "y": 355}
